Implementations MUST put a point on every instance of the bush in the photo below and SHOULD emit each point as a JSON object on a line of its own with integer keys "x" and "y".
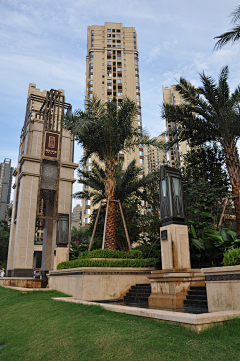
{"x": 106, "y": 263}
{"x": 231, "y": 257}
{"x": 107, "y": 253}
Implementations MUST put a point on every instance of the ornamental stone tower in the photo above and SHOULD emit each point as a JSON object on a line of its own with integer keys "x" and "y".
{"x": 42, "y": 206}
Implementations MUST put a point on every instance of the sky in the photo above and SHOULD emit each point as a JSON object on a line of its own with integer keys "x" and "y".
{"x": 45, "y": 42}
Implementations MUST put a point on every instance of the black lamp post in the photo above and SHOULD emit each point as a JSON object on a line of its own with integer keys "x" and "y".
{"x": 62, "y": 230}
{"x": 171, "y": 196}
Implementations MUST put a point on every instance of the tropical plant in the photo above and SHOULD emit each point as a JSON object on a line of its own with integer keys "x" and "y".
{"x": 230, "y": 36}
{"x": 131, "y": 189}
{"x": 104, "y": 130}
{"x": 207, "y": 249}
{"x": 210, "y": 114}
{"x": 231, "y": 257}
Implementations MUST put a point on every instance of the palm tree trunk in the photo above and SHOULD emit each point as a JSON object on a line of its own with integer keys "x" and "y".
{"x": 110, "y": 189}
{"x": 233, "y": 167}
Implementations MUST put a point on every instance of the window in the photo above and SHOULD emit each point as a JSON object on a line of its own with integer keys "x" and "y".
{"x": 88, "y": 167}
{"x": 92, "y": 31}
{"x": 109, "y": 51}
{"x": 137, "y": 84}
{"x": 90, "y": 53}
{"x": 118, "y": 46}
{"x": 136, "y": 66}
{"x": 141, "y": 153}
{"x": 90, "y": 89}
{"x": 109, "y": 30}
{"x": 139, "y": 124}
{"x": 119, "y": 69}
{"x": 136, "y": 61}
{"x": 109, "y": 81}
{"x": 108, "y": 40}
{"x": 125, "y": 83}
{"x": 119, "y": 81}
{"x": 90, "y": 95}
{"x": 103, "y": 70}
{"x": 139, "y": 103}
{"x": 109, "y": 63}
{"x": 118, "y": 57}
{"x": 125, "y": 89}
{"x": 102, "y": 64}
{"x": 102, "y": 58}
{"x": 136, "y": 78}
{"x": 91, "y": 59}
{"x": 133, "y": 34}
{"x": 90, "y": 82}
{"x": 109, "y": 35}
{"x": 90, "y": 64}
{"x": 138, "y": 96}
{"x": 88, "y": 161}
{"x": 86, "y": 220}
{"x": 118, "y": 30}
{"x": 90, "y": 76}
{"x": 118, "y": 36}
{"x": 119, "y": 94}
{"x": 109, "y": 87}
{"x": 109, "y": 74}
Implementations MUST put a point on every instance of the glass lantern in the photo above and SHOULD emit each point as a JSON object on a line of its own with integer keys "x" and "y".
{"x": 171, "y": 196}
{"x": 62, "y": 230}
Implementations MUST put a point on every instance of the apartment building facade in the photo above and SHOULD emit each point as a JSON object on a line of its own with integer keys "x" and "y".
{"x": 112, "y": 70}
{"x": 176, "y": 153}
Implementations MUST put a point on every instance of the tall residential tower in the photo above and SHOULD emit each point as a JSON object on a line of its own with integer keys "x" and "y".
{"x": 171, "y": 96}
{"x": 5, "y": 187}
{"x": 113, "y": 71}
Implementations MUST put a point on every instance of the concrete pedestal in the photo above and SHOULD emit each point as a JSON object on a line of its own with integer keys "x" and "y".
{"x": 61, "y": 254}
{"x": 169, "y": 287}
{"x": 175, "y": 247}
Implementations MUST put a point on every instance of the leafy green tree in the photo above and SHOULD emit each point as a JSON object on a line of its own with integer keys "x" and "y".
{"x": 232, "y": 35}
{"x": 104, "y": 130}
{"x": 4, "y": 241}
{"x": 211, "y": 113}
{"x": 205, "y": 186}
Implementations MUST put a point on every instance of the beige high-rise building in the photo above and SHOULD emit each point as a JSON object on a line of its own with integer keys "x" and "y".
{"x": 77, "y": 216}
{"x": 113, "y": 71}
{"x": 154, "y": 157}
{"x": 171, "y": 96}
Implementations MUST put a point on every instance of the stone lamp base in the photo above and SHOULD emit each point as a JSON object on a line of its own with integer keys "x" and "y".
{"x": 169, "y": 287}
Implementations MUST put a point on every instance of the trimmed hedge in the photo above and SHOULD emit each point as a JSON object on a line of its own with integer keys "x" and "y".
{"x": 231, "y": 257}
{"x": 105, "y": 263}
{"x": 108, "y": 253}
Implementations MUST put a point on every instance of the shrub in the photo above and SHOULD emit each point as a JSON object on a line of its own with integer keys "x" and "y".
{"x": 107, "y": 253}
{"x": 106, "y": 263}
{"x": 231, "y": 257}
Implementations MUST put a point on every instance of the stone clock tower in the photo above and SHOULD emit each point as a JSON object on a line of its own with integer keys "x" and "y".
{"x": 43, "y": 186}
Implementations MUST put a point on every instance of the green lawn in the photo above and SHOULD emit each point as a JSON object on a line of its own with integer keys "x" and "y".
{"x": 35, "y": 327}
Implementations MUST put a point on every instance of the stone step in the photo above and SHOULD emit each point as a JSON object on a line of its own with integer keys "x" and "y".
{"x": 196, "y": 297}
{"x": 195, "y": 302}
{"x": 198, "y": 288}
{"x": 135, "y": 299}
{"x": 141, "y": 290}
{"x": 137, "y": 295}
{"x": 197, "y": 292}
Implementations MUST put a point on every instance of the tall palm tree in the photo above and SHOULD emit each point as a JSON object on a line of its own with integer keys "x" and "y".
{"x": 210, "y": 114}
{"x": 230, "y": 36}
{"x": 128, "y": 184}
{"x": 105, "y": 129}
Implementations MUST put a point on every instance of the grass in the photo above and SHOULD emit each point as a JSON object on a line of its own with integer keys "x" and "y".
{"x": 35, "y": 327}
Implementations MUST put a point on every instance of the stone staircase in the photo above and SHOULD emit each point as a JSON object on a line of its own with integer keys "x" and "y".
{"x": 138, "y": 294}
{"x": 196, "y": 298}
